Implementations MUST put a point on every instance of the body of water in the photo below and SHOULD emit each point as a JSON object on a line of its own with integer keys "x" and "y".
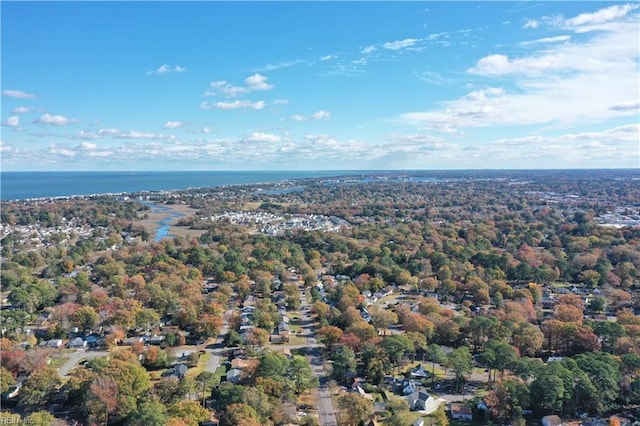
{"x": 26, "y": 185}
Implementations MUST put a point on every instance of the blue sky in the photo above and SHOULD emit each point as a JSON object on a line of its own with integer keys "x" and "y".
{"x": 319, "y": 85}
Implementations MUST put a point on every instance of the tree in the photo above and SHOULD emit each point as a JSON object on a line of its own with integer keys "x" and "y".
{"x": 498, "y": 355}
{"x": 301, "y": 375}
{"x": 436, "y": 355}
{"x": 508, "y": 399}
{"x": 204, "y": 381}
{"x": 396, "y": 346}
{"x": 273, "y": 365}
{"x": 40, "y": 418}
{"x": 37, "y": 388}
{"x": 344, "y": 362}
{"x": 258, "y": 337}
{"x": 189, "y": 411}
{"x": 155, "y": 358}
{"x": 547, "y": 393}
{"x": 330, "y": 335}
{"x": 149, "y": 413}
{"x": 242, "y": 415}
{"x": 171, "y": 390}
{"x": 382, "y": 318}
{"x": 527, "y": 338}
{"x": 119, "y": 383}
{"x": 460, "y": 362}
{"x": 6, "y": 380}
{"x": 85, "y": 318}
{"x": 355, "y": 408}
{"x": 259, "y": 400}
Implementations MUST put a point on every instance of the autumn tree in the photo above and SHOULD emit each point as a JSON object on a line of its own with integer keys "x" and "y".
{"x": 355, "y": 409}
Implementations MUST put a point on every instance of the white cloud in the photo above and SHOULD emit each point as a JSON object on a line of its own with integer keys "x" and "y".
{"x": 55, "y": 120}
{"x": 369, "y": 49}
{"x": 84, "y": 135}
{"x": 13, "y": 121}
{"x": 607, "y": 14}
{"x": 62, "y": 151}
{"x": 134, "y": 134}
{"x": 237, "y": 104}
{"x": 318, "y": 115}
{"x": 257, "y": 82}
{"x": 279, "y": 65}
{"x": 18, "y": 94}
{"x": 108, "y": 132}
{"x": 254, "y": 83}
{"x": 20, "y": 110}
{"x": 172, "y": 124}
{"x": 88, "y": 146}
{"x": 630, "y": 106}
{"x": 280, "y": 102}
{"x": 167, "y": 69}
{"x": 556, "y": 39}
{"x": 400, "y": 44}
{"x": 531, "y": 23}
{"x": 327, "y": 57}
{"x": 552, "y": 98}
{"x": 262, "y": 137}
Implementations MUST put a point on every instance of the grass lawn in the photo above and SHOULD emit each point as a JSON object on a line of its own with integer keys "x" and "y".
{"x": 202, "y": 363}
{"x": 157, "y": 374}
{"x": 58, "y": 361}
{"x": 296, "y": 340}
{"x": 220, "y": 371}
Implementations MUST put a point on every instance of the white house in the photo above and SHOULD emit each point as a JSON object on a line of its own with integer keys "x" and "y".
{"x": 77, "y": 343}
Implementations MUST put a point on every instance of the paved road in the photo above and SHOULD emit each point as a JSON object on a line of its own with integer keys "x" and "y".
{"x": 75, "y": 357}
{"x": 314, "y": 356}
{"x": 217, "y": 348}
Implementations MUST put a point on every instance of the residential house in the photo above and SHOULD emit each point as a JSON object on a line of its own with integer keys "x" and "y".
{"x": 54, "y": 343}
{"x": 131, "y": 340}
{"x": 419, "y": 372}
{"x": 77, "y": 343}
{"x": 180, "y": 371}
{"x": 460, "y": 411}
{"x": 234, "y": 375}
{"x": 417, "y": 400}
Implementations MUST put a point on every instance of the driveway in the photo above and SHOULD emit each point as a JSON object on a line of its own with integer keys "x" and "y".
{"x": 74, "y": 359}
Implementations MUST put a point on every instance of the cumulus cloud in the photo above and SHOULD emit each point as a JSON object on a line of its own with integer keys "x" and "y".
{"x": 13, "y": 121}
{"x": 167, "y": 69}
{"x": 531, "y": 23}
{"x": 237, "y": 104}
{"x": 254, "y": 83}
{"x": 369, "y": 49}
{"x": 55, "y": 120}
{"x": 20, "y": 110}
{"x": 400, "y": 44}
{"x": 607, "y": 14}
{"x": 84, "y": 135}
{"x": 318, "y": 115}
{"x": 88, "y": 146}
{"x": 560, "y": 83}
{"x": 18, "y": 94}
{"x": 172, "y": 124}
{"x": 262, "y": 137}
